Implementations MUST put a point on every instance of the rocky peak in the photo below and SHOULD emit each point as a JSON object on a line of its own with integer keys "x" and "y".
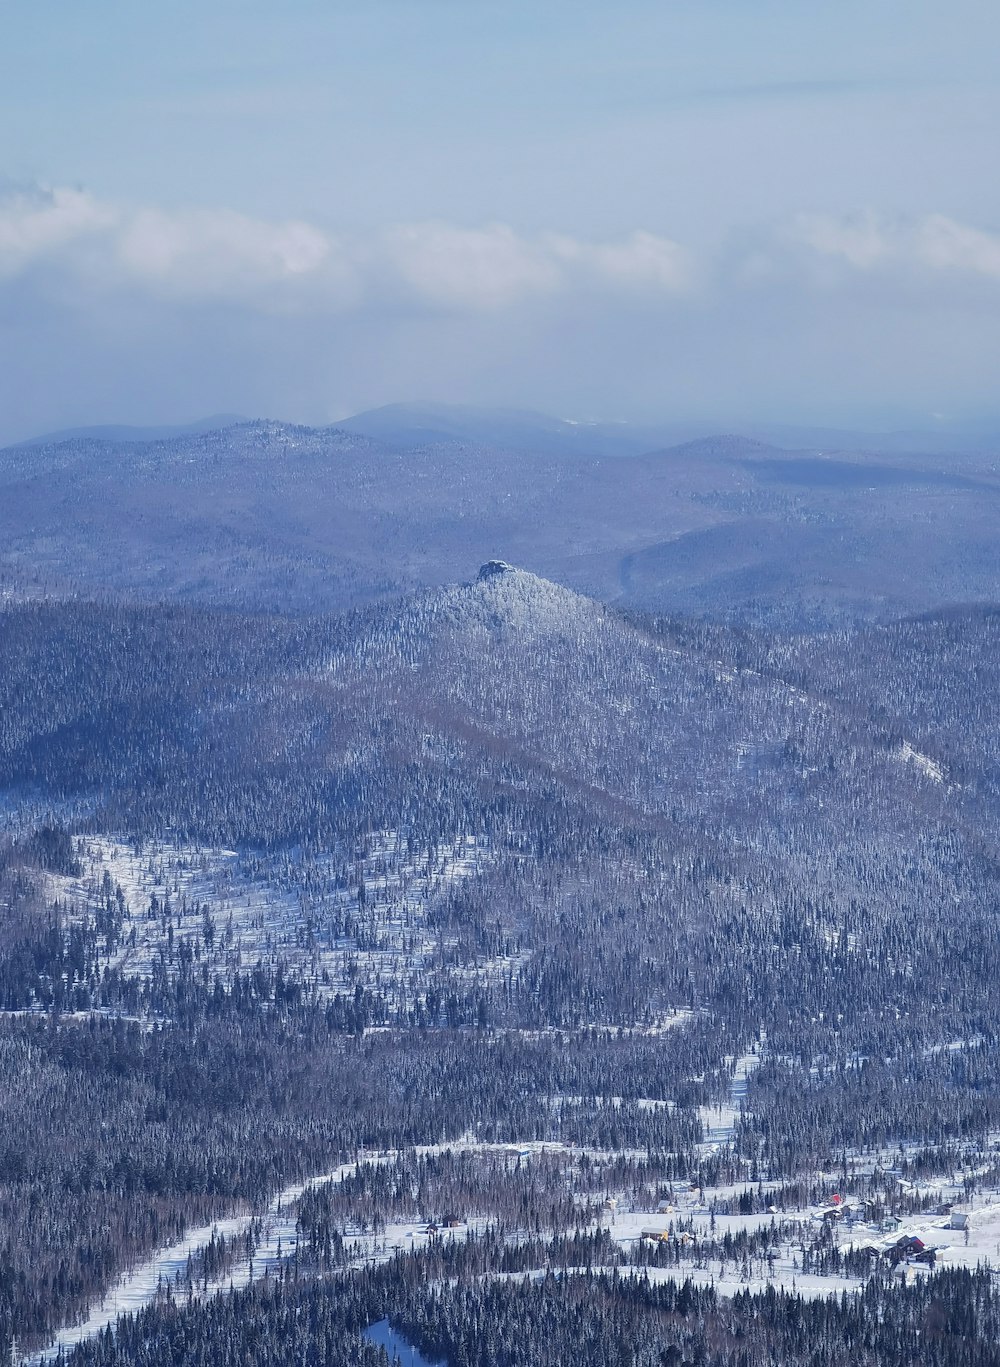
{"x": 493, "y": 568}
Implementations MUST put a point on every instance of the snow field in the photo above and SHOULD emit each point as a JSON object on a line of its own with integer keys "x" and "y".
{"x": 333, "y": 922}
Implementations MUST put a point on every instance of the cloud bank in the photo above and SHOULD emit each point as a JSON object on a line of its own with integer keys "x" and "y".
{"x": 927, "y": 251}
{"x": 217, "y": 254}
{"x": 116, "y": 311}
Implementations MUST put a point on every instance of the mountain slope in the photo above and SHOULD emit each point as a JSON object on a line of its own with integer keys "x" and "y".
{"x": 521, "y": 670}
{"x": 644, "y": 801}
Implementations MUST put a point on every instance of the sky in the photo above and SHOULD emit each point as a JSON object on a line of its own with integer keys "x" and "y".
{"x": 781, "y": 210}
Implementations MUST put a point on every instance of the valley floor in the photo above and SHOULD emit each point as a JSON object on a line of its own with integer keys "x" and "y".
{"x": 691, "y": 1218}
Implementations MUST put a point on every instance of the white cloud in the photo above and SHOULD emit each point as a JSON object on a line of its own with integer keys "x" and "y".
{"x": 35, "y": 224}
{"x": 862, "y": 241}
{"x": 460, "y": 267}
{"x": 208, "y": 254}
{"x": 202, "y": 254}
{"x": 943, "y": 244}
{"x": 494, "y": 266}
{"x": 932, "y": 247}
{"x": 218, "y": 251}
{"x": 640, "y": 261}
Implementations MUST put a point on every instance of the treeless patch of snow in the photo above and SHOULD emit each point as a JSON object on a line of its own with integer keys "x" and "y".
{"x": 927, "y": 766}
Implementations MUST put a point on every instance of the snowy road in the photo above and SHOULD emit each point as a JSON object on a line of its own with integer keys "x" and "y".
{"x": 139, "y": 1287}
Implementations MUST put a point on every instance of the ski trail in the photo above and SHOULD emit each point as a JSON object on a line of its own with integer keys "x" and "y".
{"x": 139, "y": 1287}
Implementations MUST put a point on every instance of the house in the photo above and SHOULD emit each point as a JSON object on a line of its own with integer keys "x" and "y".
{"x": 958, "y": 1219}
{"x": 907, "y": 1247}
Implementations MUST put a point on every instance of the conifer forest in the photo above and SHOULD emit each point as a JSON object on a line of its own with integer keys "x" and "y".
{"x": 585, "y": 956}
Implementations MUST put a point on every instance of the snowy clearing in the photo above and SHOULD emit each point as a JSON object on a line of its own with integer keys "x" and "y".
{"x": 927, "y": 766}
{"x": 334, "y": 922}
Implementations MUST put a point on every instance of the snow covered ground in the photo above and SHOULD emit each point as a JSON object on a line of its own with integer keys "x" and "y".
{"x": 927, "y": 766}
{"x": 720, "y": 1120}
{"x": 141, "y": 1285}
{"x": 696, "y": 1214}
{"x": 659, "y": 1026}
{"x": 335, "y": 921}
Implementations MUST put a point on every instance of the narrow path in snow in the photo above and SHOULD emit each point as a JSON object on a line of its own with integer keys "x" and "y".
{"x": 720, "y": 1120}
{"x": 139, "y": 1287}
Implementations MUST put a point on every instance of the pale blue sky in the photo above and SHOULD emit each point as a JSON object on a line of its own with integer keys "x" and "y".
{"x": 821, "y": 176}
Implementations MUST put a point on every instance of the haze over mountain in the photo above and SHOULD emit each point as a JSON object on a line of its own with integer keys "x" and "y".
{"x": 119, "y": 433}
{"x": 409, "y": 424}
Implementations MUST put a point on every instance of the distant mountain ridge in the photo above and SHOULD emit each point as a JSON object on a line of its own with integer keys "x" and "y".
{"x": 114, "y": 432}
{"x": 408, "y": 424}
{"x": 279, "y": 516}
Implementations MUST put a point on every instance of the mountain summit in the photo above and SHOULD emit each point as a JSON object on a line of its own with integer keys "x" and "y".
{"x": 492, "y": 568}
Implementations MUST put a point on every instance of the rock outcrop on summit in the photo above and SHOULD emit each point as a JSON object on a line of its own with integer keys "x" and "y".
{"x": 492, "y": 568}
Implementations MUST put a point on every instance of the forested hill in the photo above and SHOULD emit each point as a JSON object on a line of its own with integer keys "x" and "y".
{"x": 272, "y": 516}
{"x": 658, "y": 906}
{"x": 252, "y": 728}
{"x": 569, "y": 771}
